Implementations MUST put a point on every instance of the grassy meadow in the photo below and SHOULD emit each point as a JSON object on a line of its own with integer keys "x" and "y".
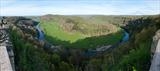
{"x": 80, "y": 31}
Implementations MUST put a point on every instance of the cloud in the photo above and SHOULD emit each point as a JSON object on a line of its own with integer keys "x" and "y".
{"x": 23, "y": 8}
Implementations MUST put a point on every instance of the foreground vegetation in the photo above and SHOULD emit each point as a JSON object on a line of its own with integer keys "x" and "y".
{"x": 30, "y": 58}
{"x": 133, "y": 55}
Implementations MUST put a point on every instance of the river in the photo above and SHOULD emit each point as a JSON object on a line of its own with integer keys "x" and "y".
{"x": 40, "y": 32}
{"x": 90, "y": 52}
{"x": 94, "y": 52}
{"x": 125, "y": 37}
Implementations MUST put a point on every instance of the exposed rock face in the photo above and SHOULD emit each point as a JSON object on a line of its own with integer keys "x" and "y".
{"x": 27, "y": 29}
{"x": 24, "y": 27}
{"x": 6, "y": 49}
{"x": 5, "y": 64}
{"x": 155, "y": 41}
{"x": 155, "y": 49}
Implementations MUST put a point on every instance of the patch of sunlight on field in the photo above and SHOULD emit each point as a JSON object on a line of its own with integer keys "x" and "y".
{"x": 54, "y": 30}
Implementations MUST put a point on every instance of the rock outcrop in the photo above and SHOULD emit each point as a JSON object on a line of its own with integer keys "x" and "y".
{"x": 155, "y": 41}
{"x": 27, "y": 29}
{"x": 6, "y": 49}
{"x": 24, "y": 27}
{"x": 155, "y": 50}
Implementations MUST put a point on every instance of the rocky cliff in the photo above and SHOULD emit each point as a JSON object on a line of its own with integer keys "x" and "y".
{"x": 155, "y": 41}
{"x": 155, "y": 50}
{"x": 27, "y": 29}
{"x": 24, "y": 27}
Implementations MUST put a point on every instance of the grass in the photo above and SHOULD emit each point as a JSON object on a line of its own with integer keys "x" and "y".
{"x": 54, "y": 30}
{"x": 95, "y": 34}
{"x": 97, "y": 41}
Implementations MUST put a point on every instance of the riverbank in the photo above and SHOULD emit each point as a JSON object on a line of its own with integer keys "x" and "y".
{"x": 91, "y": 52}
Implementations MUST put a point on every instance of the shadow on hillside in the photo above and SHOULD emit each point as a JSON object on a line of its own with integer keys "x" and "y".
{"x": 77, "y": 53}
{"x": 55, "y": 41}
{"x": 89, "y": 42}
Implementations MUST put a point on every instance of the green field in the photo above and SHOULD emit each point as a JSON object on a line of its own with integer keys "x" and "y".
{"x": 54, "y": 30}
{"x": 85, "y": 35}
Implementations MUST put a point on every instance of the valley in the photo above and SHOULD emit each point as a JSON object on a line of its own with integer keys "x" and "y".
{"x": 82, "y": 43}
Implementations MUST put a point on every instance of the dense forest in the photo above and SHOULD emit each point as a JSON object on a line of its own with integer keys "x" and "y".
{"x": 70, "y": 42}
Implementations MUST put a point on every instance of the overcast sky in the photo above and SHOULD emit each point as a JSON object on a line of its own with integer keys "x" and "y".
{"x": 79, "y": 7}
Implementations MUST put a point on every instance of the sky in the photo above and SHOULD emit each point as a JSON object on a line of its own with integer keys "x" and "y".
{"x": 78, "y": 7}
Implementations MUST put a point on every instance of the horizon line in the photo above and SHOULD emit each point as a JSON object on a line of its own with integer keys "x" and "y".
{"x": 89, "y": 14}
